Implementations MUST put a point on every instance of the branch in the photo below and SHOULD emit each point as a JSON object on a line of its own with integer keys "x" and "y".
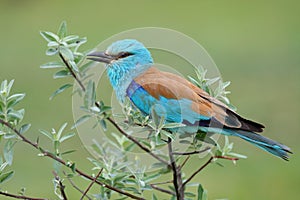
{"x": 72, "y": 72}
{"x": 91, "y": 184}
{"x": 60, "y": 185}
{"x": 52, "y": 156}
{"x": 162, "y": 183}
{"x": 162, "y": 190}
{"x": 185, "y": 161}
{"x": 177, "y": 179}
{"x": 137, "y": 142}
{"x": 227, "y": 158}
{"x": 154, "y": 186}
{"x": 199, "y": 170}
{"x": 75, "y": 186}
{"x": 191, "y": 153}
{"x": 206, "y": 164}
{"x": 19, "y": 196}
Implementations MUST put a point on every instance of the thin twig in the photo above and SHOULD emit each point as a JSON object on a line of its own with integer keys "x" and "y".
{"x": 162, "y": 183}
{"x": 75, "y": 186}
{"x": 60, "y": 185}
{"x": 72, "y": 72}
{"x": 91, "y": 184}
{"x": 137, "y": 142}
{"x": 227, "y": 158}
{"x": 177, "y": 179}
{"x": 185, "y": 161}
{"x": 162, "y": 190}
{"x": 192, "y": 152}
{"x": 197, "y": 171}
{"x": 19, "y": 196}
{"x": 206, "y": 164}
{"x": 54, "y": 157}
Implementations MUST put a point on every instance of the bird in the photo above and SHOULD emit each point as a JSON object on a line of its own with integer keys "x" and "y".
{"x": 133, "y": 75}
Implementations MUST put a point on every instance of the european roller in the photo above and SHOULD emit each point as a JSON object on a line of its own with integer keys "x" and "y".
{"x": 132, "y": 74}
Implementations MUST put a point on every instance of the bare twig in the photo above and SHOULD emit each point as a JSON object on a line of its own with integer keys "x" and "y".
{"x": 199, "y": 170}
{"x": 72, "y": 72}
{"x": 227, "y": 158}
{"x": 54, "y": 157}
{"x": 192, "y": 152}
{"x": 75, "y": 186}
{"x": 177, "y": 179}
{"x": 163, "y": 183}
{"x": 206, "y": 164}
{"x": 19, "y": 196}
{"x": 91, "y": 184}
{"x": 162, "y": 190}
{"x": 60, "y": 185}
{"x": 185, "y": 161}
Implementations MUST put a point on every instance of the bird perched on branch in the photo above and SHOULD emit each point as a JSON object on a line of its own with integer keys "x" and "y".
{"x": 132, "y": 74}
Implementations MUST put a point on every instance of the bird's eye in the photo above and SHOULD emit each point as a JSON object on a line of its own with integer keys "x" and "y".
{"x": 124, "y": 54}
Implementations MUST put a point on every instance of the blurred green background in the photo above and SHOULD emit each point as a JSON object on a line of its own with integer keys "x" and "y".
{"x": 255, "y": 44}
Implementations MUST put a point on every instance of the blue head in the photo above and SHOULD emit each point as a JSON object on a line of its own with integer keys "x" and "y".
{"x": 125, "y": 59}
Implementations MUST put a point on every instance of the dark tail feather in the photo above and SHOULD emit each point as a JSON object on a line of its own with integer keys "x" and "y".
{"x": 266, "y": 144}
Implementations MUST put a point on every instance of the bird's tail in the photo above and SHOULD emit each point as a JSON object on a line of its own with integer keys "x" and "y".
{"x": 260, "y": 141}
{"x": 264, "y": 143}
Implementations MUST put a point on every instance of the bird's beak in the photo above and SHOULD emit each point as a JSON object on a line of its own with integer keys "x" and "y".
{"x": 100, "y": 57}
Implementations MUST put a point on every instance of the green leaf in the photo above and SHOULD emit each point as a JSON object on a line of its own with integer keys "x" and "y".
{"x": 212, "y": 81}
{"x": 169, "y": 135}
{"x": 9, "y": 86}
{"x": 16, "y": 115}
{"x": 103, "y": 124}
{"x": 60, "y": 131}
{"x": 70, "y": 39}
{"x": 61, "y": 74}
{"x": 89, "y": 97}
{"x": 155, "y": 117}
{"x": 53, "y": 44}
{"x": 49, "y": 36}
{"x": 80, "y": 42}
{"x": 81, "y": 120}
{"x": 51, "y": 51}
{"x": 51, "y": 65}
{"x": 189, "y": 194}
{"x": 2, "y": 165}
{"x": 14, "y": 99}
{"x": 225, "y": 84}
{"x": 236, "y": 155}
{"x": 200, "y": 192}
{"x": 8, "y": 151}
{"x": 184, "y": 141}
{"x": 66, "y": 53}
{"x": 152, "y": 177}
{"x": 6, "y": 176}
{"x": 73, "y": 66}
{"x": 154, "y": 197}
{"x": 73, "y": 167}
{"x": 47, "y": 134}
{"x": 173, "y": 125}
{"x": 132, "y": 189}
{"x": 65, "y": 137}
{"x": 62, "y": 31}
{"x": 60, "y": 90}
{"x": 56, "y": 146}
{"x": 24, "y": 128}
{"x": 68, "y": 152}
